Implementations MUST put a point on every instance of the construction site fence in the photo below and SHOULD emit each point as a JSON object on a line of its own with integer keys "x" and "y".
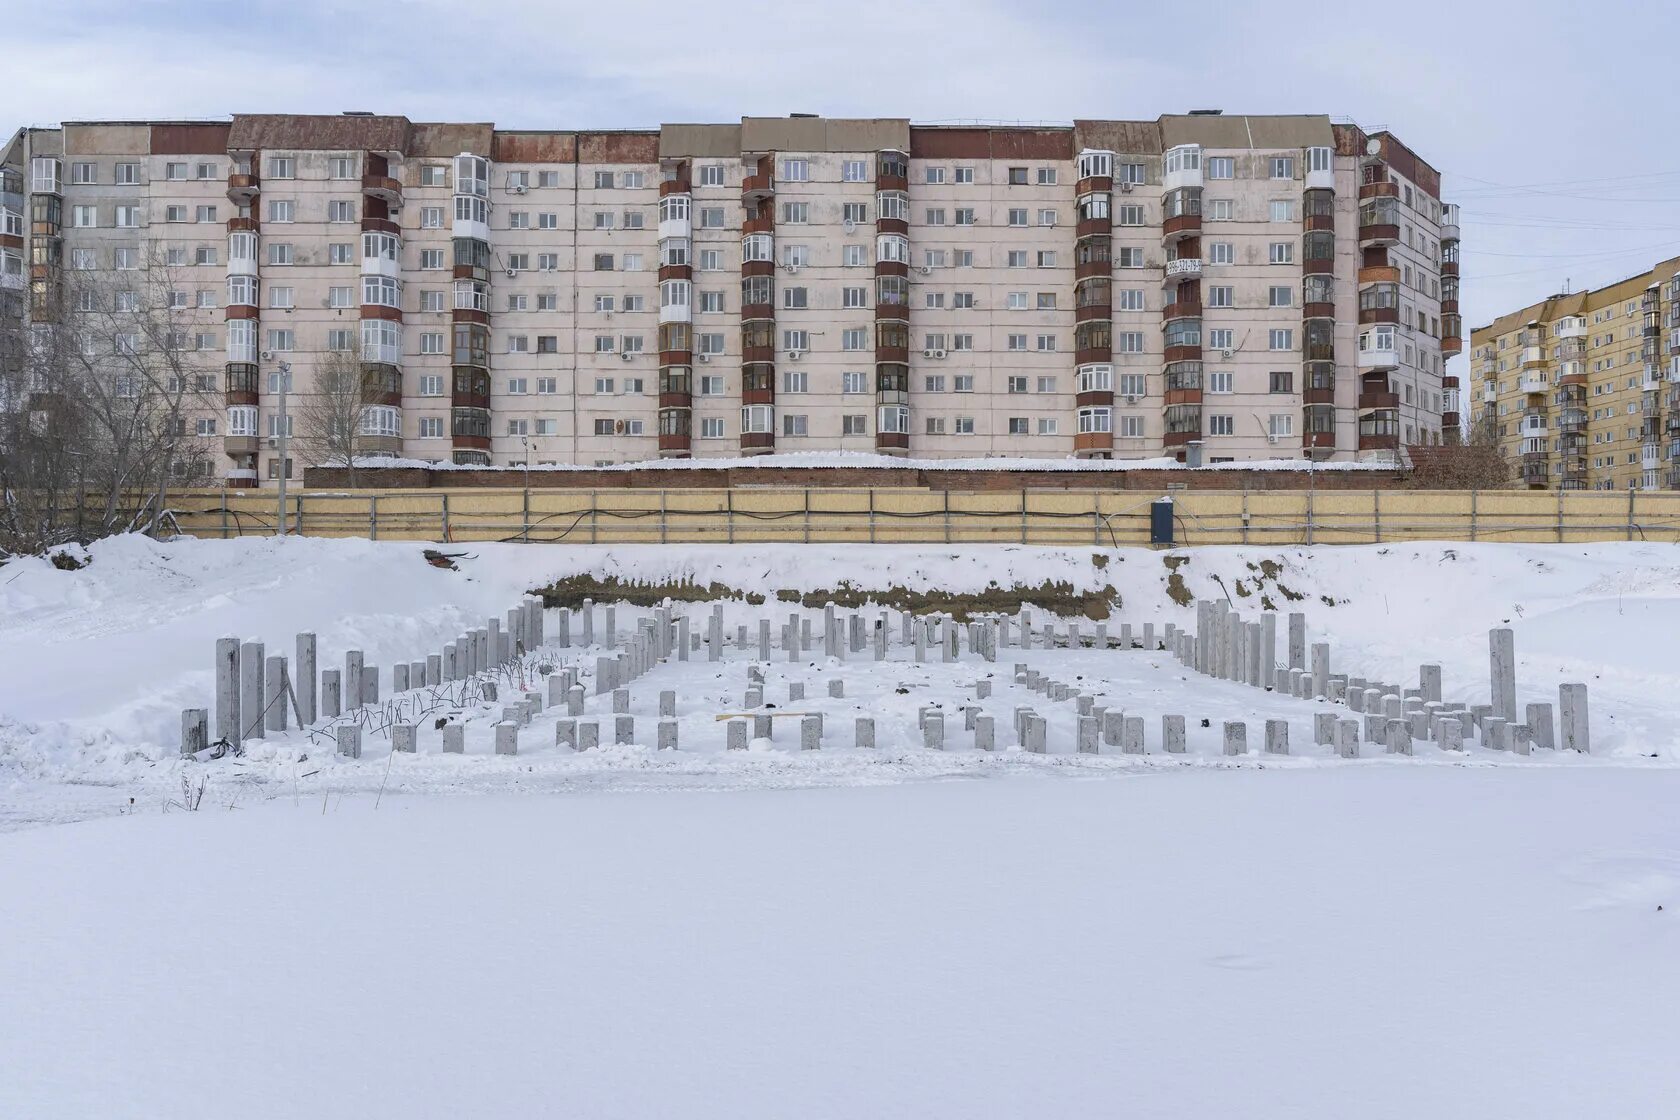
{"x": 915, "y": 516}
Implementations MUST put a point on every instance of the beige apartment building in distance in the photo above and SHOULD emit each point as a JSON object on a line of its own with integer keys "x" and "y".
{"x": 1582, "y": 390}
{"x": 1207, "y": 285}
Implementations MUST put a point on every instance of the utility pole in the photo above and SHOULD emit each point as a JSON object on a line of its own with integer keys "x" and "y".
{"x": 281, "y": 424}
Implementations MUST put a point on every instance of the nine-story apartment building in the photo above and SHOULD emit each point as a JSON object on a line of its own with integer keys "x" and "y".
{"x": 1250, "y": 287}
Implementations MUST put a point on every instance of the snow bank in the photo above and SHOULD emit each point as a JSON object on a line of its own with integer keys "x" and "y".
{"x": 1385, "y": 942}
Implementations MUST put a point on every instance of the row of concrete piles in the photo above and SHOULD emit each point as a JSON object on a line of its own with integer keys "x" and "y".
{"x": 258, "y": 693}
{"x": 1227, "y": 647}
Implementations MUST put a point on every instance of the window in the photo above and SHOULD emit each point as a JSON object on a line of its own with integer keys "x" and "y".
{"x": 282, "y": 167}
{"x": 1018, "y": 426}
{"x": 431, "y": 217}
{"x": 204, "y": 214}
{"x": 1047, "y": 425}
{"x": 1046, "y": 342}
{"x": 795, "y": 381}
{"x": 279, "y": 296}
{"x": 1283, "y": 210}
{"x": 82, "y": 260}
{"x": 431, "y": 427}
{"x": 1017, "y": 384}
{"x": 1129, "y": 342}
{"x": 1132, "y": 384}
{"x": 1221, "y": 167}
{"x": 1282, "y": 382}
{"x": 855, "y": 171}
{"x": 174, "y": 213}
{"x": 1221, "y": 381}
{"x": 83, "y": 173}
{"x": 796, "y": 342}
{"x": 796, "y": 213}
{"x": 434, "y": 175}
{"x": 1282, "y": 252}
{"x": 1128, "y": 299}
{"x": 603, "y": 219}
{"x": 127, "y": 174}
{"x": 1280, "y": 295}
{"x": 1222, "y": 252}
{"x": 84, "y": 217}
{"x": 711, "y": 260}
{"x": 279, "y": 252}
{"x": 1220, "y": 295}
{"x": 1283, "y": 167}
{"x": 1017, "y": 258}
{"x": 340, "y": 210}
{"x": 125, "y": 260}
{"x": 280, "y": 340}
{"x": 963, "y": 174}
{"x": 1221, "y": 424}
{"x": 1218, "y": 209}
{"x": 965, "y": 216}
{"x": 794, "y": 297}
{"x": 1129, "y": 214}
{"x": 962, "y": 299}
{"x": 1282, "y": 339}
{"x": 1047, "y": 176}
{"x": 796, "y": 170}
{"x": 934, "y": 383}
{"x": 281, "y": 209}
{"x": 1018, "y": 217}
{"x": 1221, "y": 339}
{"x": 1128, "y": 256}
{"x": 1017, "y": 342}
{"x": 1046, "y": 217}
{"x": 934, "y": 216}
{"x": 854, "y": 338}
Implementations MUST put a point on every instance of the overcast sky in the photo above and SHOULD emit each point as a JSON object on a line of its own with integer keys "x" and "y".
{"x": 1554, "y": 124}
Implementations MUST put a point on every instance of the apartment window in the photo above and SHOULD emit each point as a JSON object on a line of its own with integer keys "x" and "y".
{"x": 83, "y": 173}
{"x": 1222, "y": 252}
{"x": 1130, "y": 214}
{"x": 635, "y": 303}
{"x": 795, "y": 381}
{"x": 83, "y": 260}
{"x": 962, "y": 383}
{"x": 934, "y": 383}
{"x": 962, "y": 258}
{"x": 796, "y": 341}
{"x": 204, "y": 214}
{"x": 1132, "y": 384}
{"x": 1018, "y": 217}
{"x": 1046, "y": 384}
{"x": 1128, "y": 299}
{"x": 1282, "y": 252}
{"x": 1046, "y": 342}
{"x": 1047, "y": 425}
{"x": 341, "y": 210}
{"x": 1129, "y": 342}
{"x": 1279, "y": 295}
{"x": 1017, "y": 342}
{"x": 1221, "y": 424}
{"x": 341, "y": 295}
{"x": 279, "y": 252}
{"x": 934, "y": 425}
{"x": 1221, "y": 381}
{"x": 1131, "y": 427}
{"x": 1283, "y": 167}
{"x": 1283, "y": 210}
{"x": 1046, "y": 217}
{"x": 854, "y": 338}
{"x": 519, "y": 344}
{"x": 934, "y": 216}
{"x": 1217, "y": 209}
{"x": 1019, "y": 426}
{"x": 933, "y": 175}
{"x": 206, "y": 298}
{"x": 1047, "y": 176}
{"x": 1220, "y": 295}
{"x": 281, "y": 209}
{"x": 281, "y": 340}
{"x": 1282, "y": 339}
{"x": 855, "y": 171}
{"x": 1017, "y": 177}
{"x": 83, "y": 217}
{"x": 796, "y": 213}
{"x": 174, "y": 213}
{"x": 1017, "y": 258}
{"x": 794, "y": 425}
{"x": 1128, "y": 256}
{"x": 431, "y": 342}
{"x": 964, "y": 216}
{"x": 711, "y": 385}
{"x": 431, "y": 217}
{"x": 634, "y": 219}
{"x": 341, "y": 341}
{"x": 1221, "y": 167}
{"x": 282, "y": 167}
{"x": 933, "y": 299}
{"x": 1017, "y": 384}
{"x": 795, "y": 298}
{"x": 796, "y": 170}
{"x": 127, "y": 174}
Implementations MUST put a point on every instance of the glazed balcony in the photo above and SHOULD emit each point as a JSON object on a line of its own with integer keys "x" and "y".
{"x": 243, "y": 381}
{"x": 1187, "y": 305}
{"x": 1533, "y": 381}
{"x": 1379, "y": 222}
{"x": 1370, "y": 399}
{"x": 1536, "y": 469}
{"x": 1650, "y": 456}
{"x": 1534, "y": 424}
{"x": 1379, "y": 431}
{"x": 1093, "y": 312}
{"x": 1449, "y": 222}
{"x": 1572, "y": 421}
{"x": 1449, "y": 420}
{"x": 1319, "y": 388}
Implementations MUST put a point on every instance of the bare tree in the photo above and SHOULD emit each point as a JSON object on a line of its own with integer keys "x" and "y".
{"x": 98, "y": 400}
{"x": 1473, "y": 461}
{"x": 332, "y": 416}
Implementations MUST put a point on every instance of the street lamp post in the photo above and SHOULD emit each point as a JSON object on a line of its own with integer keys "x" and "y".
{"x": 281, "y": 424}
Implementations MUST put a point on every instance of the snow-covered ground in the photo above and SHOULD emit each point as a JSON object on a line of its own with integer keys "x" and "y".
{"x": 844, "y": 932}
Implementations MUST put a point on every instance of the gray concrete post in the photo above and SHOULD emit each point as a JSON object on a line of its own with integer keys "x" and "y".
{"x": 668, "y": 703}
{"x": 764, "y": 727}
{"x": 1449, "y": 733}
{"x": 933, "y": 732}
{"x": 349, "y": 739}
{"x": 624, "y": 727}
{"x": 735, "y": 735}
{"x": 1502, "y": 673}
{"x": 227, "y": 690}
{"x": 274, "y": 693}
{"x": 682, "y": 638}
{"x": 754, "y": 697}
{"x": 611, "y": 626}
{"x": 446, "y": 663}
{"x": 370, "y": 684}
{"x": 1172, "y": 734}
{"x": 1540, "y": 725}
{"x": 864, "y": 731}
{"x": 195, "y": 731}
{"x": 1398, "y": 737}
{"x": 556, "y": 690}
{"x": 667, "y": 734}
{"x": 1321, "y": 668}
{"x": 454, "y": 739}
{"x": 1277, "y": 736}
{"x": 574, "y": 701}
{"x": 1112, "y": 721}
{"x": 332, "y": 691}
{"x": 1268, "y": 648}
{"x": 1149, "y": 635}
{"x": 1297, "y": 640}
{"x": 589, "y": 735}
{"x": 1521, "y": 738}
{"x": 714, "y": 634}
{"x": 1126, "y": 633}
{"x": 1131, "y": 735}
{"x": 606, "y": 674}
{"x": 620, "y": 701}
{"x": 507, "y": 737}
{"x": 399, "y": 678}
{"x": 1324, "y": 729}
{"x": 565, "y": 733}
{"x": 921, "y": 642}
{"x": 1347, "y": 738}
{"x": 1573, "y": 731}
{"x": 1496, "y": 734}
{"x": 1236, "y": 737}
{"x": 1087, "y": 735}
{"x": 352, "y": 680}
{"x": 764, "y": 639}
{"x": 837, "y": 688}
{"x": 563, "y": 628}
{"x": 405, "y": 738}
{"x": 251, "y": 667}
{"x": 796, "y": 691}
{"x": 586, "y": 621}
{"x": 1429, "y": 681}
{"x": 1035, "y": 728}
{"x": 1257, "y": 661}
{"x": 303, "y": 678}
{"x": 810, "y": 733}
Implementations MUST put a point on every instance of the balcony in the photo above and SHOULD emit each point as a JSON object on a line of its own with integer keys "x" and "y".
{"x": 1379, "y": 274}
{"x": 1379, "y": 359}
{"x": 1650, "y": 456}
{"x": 1378, "y": 399}
{"x": 243, "y": 188}
{"x": 384, "y": 188}
{"x": 757, "y": 187}
{"x": 1572, "y": 420}
{"x": 1572, "y": 327}
{"x": 1449, "y": 222}
{"x": 1180, "y": 226}
{"x": 1536, "y": 469}
{"x": 1533, "y": 381}
{"x": 1184, "y": 268}
{"x": 1534, "y": 424}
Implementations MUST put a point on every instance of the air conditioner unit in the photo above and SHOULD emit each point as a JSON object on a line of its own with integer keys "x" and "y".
{"x": 513, "y": 272}
{"x": 1133, "y": 400}
{"x": 625, "y": 355}
{"x": 1227, "y": 353}
{"x": 790, "y": 267}
{"x": 267, "y": 355}
{"x": 795, "y": 355}
{"x": 518, "y": 188}
{"x": 849, "y": 224}
{"x": 1271, "y": 437}
{"x": 933, "y": 353}
{"x": 1126, "y": 188}
{"x": 705, "y": 357}
{"x": 924, "y": 269}
{"x": 273, "y": 443}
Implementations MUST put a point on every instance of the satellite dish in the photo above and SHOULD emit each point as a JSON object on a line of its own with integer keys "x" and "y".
{"x": 1373, "y": 146}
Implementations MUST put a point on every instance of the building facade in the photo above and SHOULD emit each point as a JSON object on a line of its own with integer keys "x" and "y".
{"x": 1238, "y": 287}
{"x": 1582, "y": 391}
